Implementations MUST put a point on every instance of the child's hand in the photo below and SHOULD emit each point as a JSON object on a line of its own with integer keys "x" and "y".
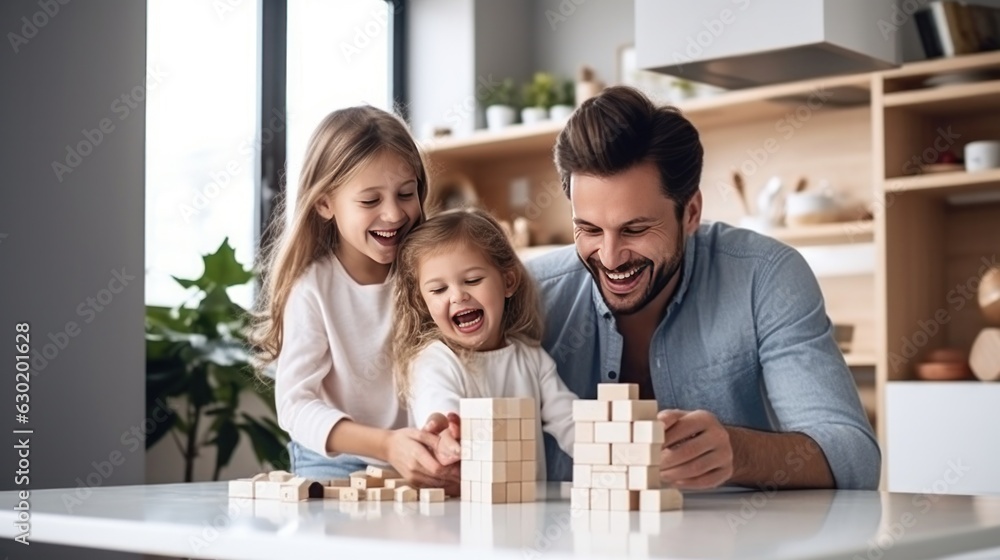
{"x": 408, "y": 451}
{"x": 447, "y": 451}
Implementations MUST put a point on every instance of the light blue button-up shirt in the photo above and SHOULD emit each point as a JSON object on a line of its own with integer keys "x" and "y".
{"x": 745, "y": 336}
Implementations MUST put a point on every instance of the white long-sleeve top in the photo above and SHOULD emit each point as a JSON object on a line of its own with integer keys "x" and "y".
{"x": 438, "y": 379}
{"x": 334, "y": 362}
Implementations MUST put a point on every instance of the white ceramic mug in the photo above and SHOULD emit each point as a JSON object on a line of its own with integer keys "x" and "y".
{"x": 981, "y": 155}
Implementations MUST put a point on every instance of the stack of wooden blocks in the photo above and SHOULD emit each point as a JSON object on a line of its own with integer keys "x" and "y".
{"x": 616, "y": 453}
{"x": 499, "y": 450}
{"x": 373, "y": 484}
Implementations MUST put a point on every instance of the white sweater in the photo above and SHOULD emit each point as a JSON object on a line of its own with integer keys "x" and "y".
{"x": 438, "y": 379}
{"x": 334, "y": 362}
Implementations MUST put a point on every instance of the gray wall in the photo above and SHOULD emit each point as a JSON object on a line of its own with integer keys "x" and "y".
{"x": 591, "y": 34}
{"x": 63, "y": 242}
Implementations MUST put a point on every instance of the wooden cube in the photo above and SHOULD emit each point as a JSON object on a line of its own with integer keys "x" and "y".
{"x": 241, "y": 488}
{"x": 381, "y": 472}
{"x": 357, "y": 474}
{"x": 593, "y": 453}
{"x": 379, "y": 494}
{"x": 466, "y": 490}
{"x": 582, "y": 476}
{"x": 429, "y": 495}
{"x": 529, "y": 491}
{"x": 609, "y": 480}
{"x": 584, "y": 432}
{"x": 477, "y": 492}
{"x": 513, "y": 492}
{"x": 513, "y": 469}
{"x": 404, "y": 494}
{"x": 579, "y": 498}
{"x": 394, "y": 482}
{"x": 529, "y": 471}
{"x": 366, "y": 482}
{"x": 617, "y": 391}
{"x": 512, "y": 429}
{"x": 591, "y": 411}
{"x": 465, "y": 426}
{"x": 466, "y": 445}
{"x": 623, "y": 500}
{"x": 489, "y": 451}
{"x": 643, "y": 478}
{"x": 600, "y": 499}
{"x": 528, "y": 429}
{"x": 640, "y": 454}
{"x": 339, "y": 483}
{"x": 663, "y": 499}
{"x": 513, "y": 452}
{"x": 471, "y": 470}
{"x": 647, "y": 431}
{"x": 350, "y": 494}
{"x": 494, "y": 471}
{"x": 494, "y": 493}
{"x": 633, "y": 411}
{"x": 529, "y": 450}
{"x": 332, "y": 492}
{"x": 613, "y": 432}
{"x": 279, "y": 476}
{"x": 527, "y": 408}
{"x": 267, "y": 490}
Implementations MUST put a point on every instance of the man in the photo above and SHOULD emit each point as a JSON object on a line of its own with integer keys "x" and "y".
{"x": 725, "y": 328}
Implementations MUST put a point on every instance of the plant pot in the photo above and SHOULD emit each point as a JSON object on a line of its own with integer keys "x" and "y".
{"x": 500, "y": 116}
{"x": 532, "y": 115}
{"x": 561, "y": 112}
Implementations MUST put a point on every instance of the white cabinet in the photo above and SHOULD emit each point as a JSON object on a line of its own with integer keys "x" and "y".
{"x": 943, "y": 438}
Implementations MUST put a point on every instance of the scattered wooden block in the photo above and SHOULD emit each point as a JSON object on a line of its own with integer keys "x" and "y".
{"x": 298, "y": 489}
{"x": 366, "y": 482}
{"x": 600, "y": 499}
{"x": 241, "y": 488}
{"x": 339, "y": 482}
{"x": 582, "y": 476}
{"x": 279, "y": 476}
{"x": 612, "y": 432}
{"x": 591, "y": 411}
{"x": 641, "y": 454}
{"x": 405, "y": 494}
{"x": 632, "y": 411}
{"x": 379, "y": 494}
{"x": 529, "y": 450}
{"x": 623, "y": 500}
{"x": 593, "y": 453}
{"x": 381, "y": 472}
{"x": 617, "y": 391}
{"x": 394, "y": 482}
{"x": 350, "y": 494}
{"x": 357, "y": 474}
{"x": 332, "y": 492}
{"x": 643, "y": 478}
{"x": 267, "y": 490}
{"x": 513, "y": 492}
{"x": 579, "y": 498}
{"x": 663, "y": 499}
{"x": 647, "y": 431}
{"x": 429, "y": 495}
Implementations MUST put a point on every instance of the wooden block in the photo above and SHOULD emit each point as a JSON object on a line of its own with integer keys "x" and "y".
{"x": 617, "y": 391}
{"x": 643, "y": 478}
{"x": 466, "y": 491}
{"x": 487, "y": 408}
{"x": 489, "y": 451}
{"x": 471, "y": 470}
{"x": 466, "y": 445}
{"x": 613, "y": 432}
{"x": 381, "y": 472}
{"x": 579, "y": 498}
{"x": 647, "y": 431}
{"x": 610, "y": 468}
{"x": 514, "y": 471}
{"x": 241, "y": 488}
{"x": 663, "y": 499}
{"x": 350, "y": 494}
{"x": 633, "y": 411}
{"x": 527, "y": 408}
{"x": 394, "y": 482}
{"x": 465, "y": 426}
{"x": 293, "y": 492}
{"x": 591, "y": 411}
{"x": 529, "y": 431}
{"x": 609, "y": 480}
{"x": 404, "y": 494}
{"x": 477, "y": 492}
{"x": 267, "y": 490}
{"x": 529, "y": 471}
{"x": 366, "y": 482}
{"x": 639, "y": 454}
{"x": 600, "y": 499}
{"x": 582, "y": 476}
{"x": 513, "y": 452}
{"x": 332, "y": 492}
{"x": 623, "y": 500}
{"x": 430, "y": 495}
{"x": 584, "y": 432}
{"x": 513, "y": 492}
{"x": 593, "y": 453}
{"x": 279, "y": 476}
{"x": 494, "y": 493}
{"x": 512, "y": 429}
{"x": 494, "y": 471}
{"x": 379, "y": 494}
{"x": 529, "y": 450}
{"x": 339, "y": 483}
{"x": 529, "y": 491}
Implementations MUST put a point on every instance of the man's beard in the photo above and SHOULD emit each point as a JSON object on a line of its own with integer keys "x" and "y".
{"x": 661, "y": 276}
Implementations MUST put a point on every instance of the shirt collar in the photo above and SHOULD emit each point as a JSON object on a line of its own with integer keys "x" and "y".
{"x": 687, "y": 270}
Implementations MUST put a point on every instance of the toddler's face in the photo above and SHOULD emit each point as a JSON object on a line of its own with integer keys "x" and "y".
{"x": 465, "y": 293}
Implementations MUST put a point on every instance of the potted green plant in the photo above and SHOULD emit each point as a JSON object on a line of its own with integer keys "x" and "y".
{"x": 539, "y": 96}
{"x": 565, "y": 101}
{"x": 198, "y": 368}
{"x": 501, "y": 105}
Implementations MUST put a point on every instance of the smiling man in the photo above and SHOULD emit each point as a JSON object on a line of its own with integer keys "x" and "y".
{"x": 725, "y": 328}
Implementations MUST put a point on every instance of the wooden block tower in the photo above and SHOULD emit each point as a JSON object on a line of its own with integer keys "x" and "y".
{"x": 499, "y": 450}
{"x": 616, "y": 453}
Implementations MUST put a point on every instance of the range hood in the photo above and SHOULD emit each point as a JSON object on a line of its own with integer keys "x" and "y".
{"x": 736, "y": 44}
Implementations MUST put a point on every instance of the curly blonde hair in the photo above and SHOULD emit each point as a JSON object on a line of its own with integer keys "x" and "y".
{"x": 342, "y": 144}
{"x": 414, "y": 328}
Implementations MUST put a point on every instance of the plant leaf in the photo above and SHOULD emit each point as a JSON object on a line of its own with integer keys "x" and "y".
{"x": 226, "y": 440}
{"x": 160, "y": 429}
{"x": 269, "y": 447}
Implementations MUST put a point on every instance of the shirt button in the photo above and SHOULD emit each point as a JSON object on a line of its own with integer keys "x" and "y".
{"x": 612, "y": 375}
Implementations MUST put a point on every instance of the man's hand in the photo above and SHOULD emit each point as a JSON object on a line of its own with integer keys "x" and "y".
{"x": 697, "y": 452}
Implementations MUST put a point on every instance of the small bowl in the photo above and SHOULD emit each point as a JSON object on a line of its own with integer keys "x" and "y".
{"x": 944, "y": 371}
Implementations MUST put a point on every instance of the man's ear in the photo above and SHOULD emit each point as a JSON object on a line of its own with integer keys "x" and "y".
{"x": 692, "y": 214}
{"x": 324, "y": 207}
{"x": 510, "y": 282}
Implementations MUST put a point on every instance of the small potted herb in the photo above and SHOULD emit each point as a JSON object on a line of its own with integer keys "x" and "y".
{"x": 539, "y": 96}
{"x": 501, "y": 105}
{"x": 565, "y": 101}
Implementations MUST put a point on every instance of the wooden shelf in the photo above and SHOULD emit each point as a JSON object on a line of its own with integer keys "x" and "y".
{"x": 859, "y": 360}
{"x": 950, "y": 65}
{"x": 945, "y": 183}
{"x": 953, "y": 99}
{"x": 513, "y": 141}
{"x": 826, "y": 234}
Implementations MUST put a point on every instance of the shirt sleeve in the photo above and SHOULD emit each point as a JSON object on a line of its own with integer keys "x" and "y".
{"x": 808, "y": 383}
{"x": 556, "y": 405}
{"x": 436, "y": 384}
{"x": 304, "y": 361}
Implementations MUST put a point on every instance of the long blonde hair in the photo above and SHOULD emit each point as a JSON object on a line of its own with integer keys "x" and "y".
{"x": 342, "y": 144}
{"x": 413, "y": 328}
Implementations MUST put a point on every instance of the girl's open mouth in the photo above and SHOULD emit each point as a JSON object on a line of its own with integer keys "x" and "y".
{"x": 468, "y": 320}
{"x": 386, "y": 238}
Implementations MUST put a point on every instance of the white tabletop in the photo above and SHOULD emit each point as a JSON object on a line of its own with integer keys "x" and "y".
{"x": 200, "y": 521}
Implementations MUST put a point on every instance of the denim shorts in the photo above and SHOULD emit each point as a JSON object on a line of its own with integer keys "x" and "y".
{"x": 309, "y": 464}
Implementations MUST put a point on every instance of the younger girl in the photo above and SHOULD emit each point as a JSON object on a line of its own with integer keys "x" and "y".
{"x": 325, "y": 308}
{"x": 468, "y": 325}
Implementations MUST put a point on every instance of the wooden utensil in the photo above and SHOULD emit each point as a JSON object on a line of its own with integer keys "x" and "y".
{"x": 741, "y": 190}
{"x": 985, "y": 355}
